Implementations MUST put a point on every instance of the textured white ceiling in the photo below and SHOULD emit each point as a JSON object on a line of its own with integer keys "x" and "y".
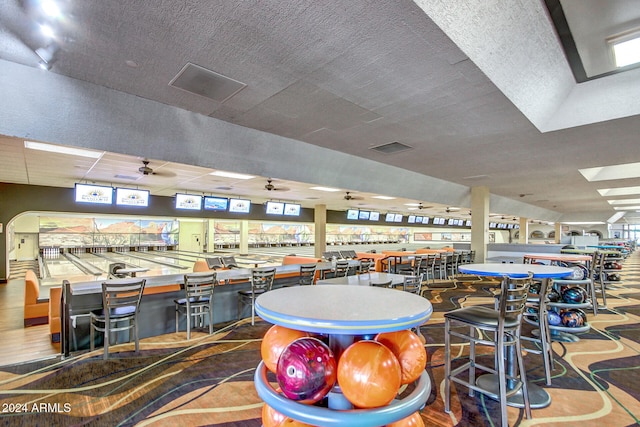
{"x": 480, "y": 90}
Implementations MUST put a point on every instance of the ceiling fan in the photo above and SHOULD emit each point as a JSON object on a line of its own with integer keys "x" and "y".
{"x": 420, "y": 206}
{"x": 270, "y": 187}
{"x": 348, "y": 196}
{"x": 448, "y": 210}
{"x": 146, "y": 170}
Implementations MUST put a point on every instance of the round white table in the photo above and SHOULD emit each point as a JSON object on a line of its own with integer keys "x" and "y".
{"x": 343, "y": 312}
{"x": 538, "y": 397}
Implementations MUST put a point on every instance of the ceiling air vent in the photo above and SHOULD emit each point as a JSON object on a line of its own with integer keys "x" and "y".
{"x": 207, "y": 83}
{"x": 391, "y": 147}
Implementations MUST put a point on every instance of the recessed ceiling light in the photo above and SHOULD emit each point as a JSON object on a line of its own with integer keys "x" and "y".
{"x": 627, "y": 52}
{"x": 231, "y": 175}
{"x": 63, "y": 150}
{"x": 620, "y": 191}
{"x": 47, "y": 31}
{"x": 624, "y": 202}
{"x": 50, "y": 8}
{"x": 626, "y": 208}
{"x": 383, "y": 197}
{"x": 328, "y": 189}
{"x": 603, "y": 173}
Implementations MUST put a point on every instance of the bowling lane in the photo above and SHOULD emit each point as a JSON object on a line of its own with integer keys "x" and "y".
{"x": 154, "y": 261}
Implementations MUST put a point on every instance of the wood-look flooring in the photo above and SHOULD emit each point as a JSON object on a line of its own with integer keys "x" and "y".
{"x": 17, "y": 343}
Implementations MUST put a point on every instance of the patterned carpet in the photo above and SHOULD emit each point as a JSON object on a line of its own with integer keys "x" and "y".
{"x": 209, "y": 380}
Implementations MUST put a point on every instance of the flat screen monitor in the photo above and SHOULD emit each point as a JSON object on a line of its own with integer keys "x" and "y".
{"x": 352, "y": 214}
{"x": 492, "y": 225}
{"x": 374, "y": 216}
{"x": 436, "y": 220}
{"x": 397, "y": 218}
{"x": 468, "y": 223}
{"x": 292, "y": 209}
{"x": 418, "y": 219}
{"x": 510, "y": 226}
{"x": 516, "y": 226}
{"x": 216, "y": 203}
{"x": 364, "y": 215}
{"x": 85, "y": 193}
{"x": 188, "y": 201}
{"x": 451, "y": 221}
{"x": 411, "y": 219}
{"x": 131, "y": 197}
{"x": 390, "y": 217}
{"x": 274, "y": 208}
{"x": 425, "y": 220}
{"x": 239, "y": 205}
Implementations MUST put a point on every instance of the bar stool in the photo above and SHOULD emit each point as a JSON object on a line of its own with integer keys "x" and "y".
{"x": 120, "y": 303}
{"x": 261, "y": 282}
{"x": 198, "y": 300}
{"x": 537, "y": 313}
{"x": 499, "y": 329}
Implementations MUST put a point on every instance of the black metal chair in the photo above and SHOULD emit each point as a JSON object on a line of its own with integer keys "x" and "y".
{"x": 499, "y": 329}
{"x": 120, "y": 304}
{"x": 230, "y": 262}
{"x": 307, "y": 274}
{"x": 261, "y": 282}
{"x": 214, "y": 263}
{"x": 537, "y": 313}
{"x": 198, "y": 300}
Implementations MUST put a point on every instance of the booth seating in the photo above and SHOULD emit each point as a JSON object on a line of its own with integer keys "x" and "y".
{"x": 36, "y": 310}
{"x": 55, "y": 298}
{"x": 202, "y": 265}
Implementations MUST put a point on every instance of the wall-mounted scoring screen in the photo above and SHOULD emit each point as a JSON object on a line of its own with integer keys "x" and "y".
{"x": 188, "y": 201}
{"x": 411, "y": 219}
{"x": 216, "y": 203}
{"x": 85, "y": 193}
{"x": 374, "y": 216}
{"x": 390, "y": 217}
{"x": 274, "y": 208}
{"x": 239, "y": 205}
{"x": 352, "y": 214}
{"x": 131, "y": 197}
{"x": 292, "y": 209}
{"x": 364, "y": 215}
{"x": 397, "y": 218}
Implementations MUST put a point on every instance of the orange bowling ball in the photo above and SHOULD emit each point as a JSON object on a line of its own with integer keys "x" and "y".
{"x": 273, "y": 418}
{"x": 369, "y": 374}
{"x": 275, "y": 341}
{"x": 409, "y": 351}
{"x": 413, "y": 420}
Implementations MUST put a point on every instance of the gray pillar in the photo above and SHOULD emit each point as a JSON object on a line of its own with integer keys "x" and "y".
{"x": 320, "y": 222}
{"x": 479, "y": 221}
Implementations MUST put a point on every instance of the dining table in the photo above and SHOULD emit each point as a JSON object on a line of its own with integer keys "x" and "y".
{"x": 538, "y": 396}
{"x": 365, "y": 279}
